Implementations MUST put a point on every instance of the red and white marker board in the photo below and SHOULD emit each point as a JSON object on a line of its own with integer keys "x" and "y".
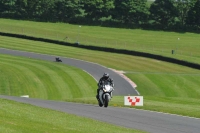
{"x": 133, "y": 100}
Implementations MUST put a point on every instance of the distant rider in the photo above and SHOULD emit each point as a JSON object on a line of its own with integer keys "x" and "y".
{"x": 103, "y": 79}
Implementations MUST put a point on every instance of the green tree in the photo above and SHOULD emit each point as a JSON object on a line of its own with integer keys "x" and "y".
{"x": 32, "y": 9}
{"x": 40, "y": 9}
{"x": 20, "y": 8}
{"x": 96, "y": 9}
{"x": 131, "y": 11}
{"x": 193, "y": 17}
{"x": 163, "y": 12}
{"x": 183, "y": 6}
{"x": 7, "y": 8}
{"x": 46, "y": 10}
{"x": 3, "y": 6}
{"x": 66, "y": 10}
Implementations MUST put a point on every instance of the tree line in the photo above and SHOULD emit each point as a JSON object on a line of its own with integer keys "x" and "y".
{"x": 160, "y": 14}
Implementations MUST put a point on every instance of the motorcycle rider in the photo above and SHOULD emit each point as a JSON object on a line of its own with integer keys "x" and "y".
{"x": 103, "y": 79}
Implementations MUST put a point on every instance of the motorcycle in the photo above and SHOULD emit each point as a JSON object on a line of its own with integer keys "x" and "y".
{"x": 58, "y": 59}
{"x": 105, "y": 94}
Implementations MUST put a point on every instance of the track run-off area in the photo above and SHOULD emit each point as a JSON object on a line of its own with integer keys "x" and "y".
{"x": 132, "y": 118}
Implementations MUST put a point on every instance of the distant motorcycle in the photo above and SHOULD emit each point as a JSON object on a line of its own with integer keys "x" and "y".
{"x": 105, "y": 94}
{"x": 58, "y": 59}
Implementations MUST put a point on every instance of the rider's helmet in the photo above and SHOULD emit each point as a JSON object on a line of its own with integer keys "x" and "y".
{"x": 106, "y": 76}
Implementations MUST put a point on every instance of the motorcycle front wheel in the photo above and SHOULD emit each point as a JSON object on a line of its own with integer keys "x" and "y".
{"x": 106, "y": 101}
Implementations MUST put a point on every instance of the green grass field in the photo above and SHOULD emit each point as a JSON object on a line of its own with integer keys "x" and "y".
{"x": 166, "y": 87}
{"x": 44, "y": 80}
{"x": 167, "y": 84}
{"x": 24, "y": 118}
{"x": 187, "y": 47}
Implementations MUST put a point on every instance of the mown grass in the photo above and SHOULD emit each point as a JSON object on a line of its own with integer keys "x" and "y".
{"x": 24, "y": 118}
{"x": 42, "y": 79}
{"x": 167, "y": 84}
{"x": 166, "y": 87}
{"x": 187, "y": 47}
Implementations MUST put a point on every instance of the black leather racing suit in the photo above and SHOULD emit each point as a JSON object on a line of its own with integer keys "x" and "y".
{"x": 101, "y": 83}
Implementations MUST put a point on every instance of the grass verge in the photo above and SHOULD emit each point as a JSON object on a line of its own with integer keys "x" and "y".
{"x": 43, "y": 79}
{"x": 18, "y": 118}
{"x": 185, "y": 45}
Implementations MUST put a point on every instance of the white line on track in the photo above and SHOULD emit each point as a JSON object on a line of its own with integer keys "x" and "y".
{"x": 127, "y": 79}
{"x": 166, "y": 113}
{"x": 90, "y": 75}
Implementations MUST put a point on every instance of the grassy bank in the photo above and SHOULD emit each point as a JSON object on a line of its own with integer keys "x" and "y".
{"x": 42, "y": 79}
{"x": 186, "y": 45}
{"x": 20, "y": 118}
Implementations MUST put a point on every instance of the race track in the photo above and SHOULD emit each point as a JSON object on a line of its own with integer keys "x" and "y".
{"x": 137, "y": 119}
{"x": 122, "y": 87}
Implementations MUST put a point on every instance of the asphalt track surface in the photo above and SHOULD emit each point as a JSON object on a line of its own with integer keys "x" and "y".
{"x": 153, "y": 122}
